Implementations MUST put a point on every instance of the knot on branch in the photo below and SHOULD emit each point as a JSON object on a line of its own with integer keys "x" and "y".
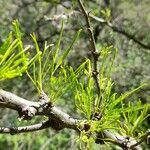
{"x": 125, "y": 143}
{"x": 45, "y": 100}
{"x": 128, "y": 142}
{"x": 44, "y": 97}
{"x": 96, "y": 116}
{"x": 87, "y": 127}
{"x": 13, "y": 130}
{"x": 96, "y": 55}
{"x": 56, "y": 123}
{"x": 95, "y": 73}
{"x": 27, "y": 112}
{"x": 45, "y": 103}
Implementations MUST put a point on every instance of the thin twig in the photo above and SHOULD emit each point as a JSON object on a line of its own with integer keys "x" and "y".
{"x": 31, "y": 128}
{"x": 94, "y": 52}
{"x": 142, "y": 139}
{"x": 120, "y": 31}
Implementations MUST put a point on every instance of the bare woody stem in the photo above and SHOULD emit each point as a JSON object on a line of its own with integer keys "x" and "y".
{"x": 28, "y": 109}
{"x": 57, "y": 119}
{"x": 120, "y": 31}
{"x": 30, "y": 128}
{"x": 95, "y": 54}
{"x": 141, "y": 139}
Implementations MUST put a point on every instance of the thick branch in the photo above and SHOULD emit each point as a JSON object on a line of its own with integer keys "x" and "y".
{"x": 57, "y": 119}
{"x": 27, "y": 109}
{"x": 126, "y": 143}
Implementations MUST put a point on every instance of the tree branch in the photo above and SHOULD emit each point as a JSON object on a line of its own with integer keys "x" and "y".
{"x": 120, "y": 31}
{"x": 94, "y": 52}
{"x": 141, "y": 139}
{"x": 27, "y": 109}
{"x": 31, "y": 128}
{"x": 57, "y": 119}
{"x": 124, "y": 142}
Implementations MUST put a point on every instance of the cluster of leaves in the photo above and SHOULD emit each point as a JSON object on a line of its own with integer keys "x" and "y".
{"x": 50, "y": 69}
{"x": 111, "y": 111}
{"x": 14, "y": 59}
{"x": 114, "y": 113}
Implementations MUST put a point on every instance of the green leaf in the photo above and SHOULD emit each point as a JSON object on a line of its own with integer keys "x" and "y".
{"x": 6, "y": 44}
{"x": 124, "y": 96}
{"x": 66, "y": 52}
{"x": 39, "y": 78}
